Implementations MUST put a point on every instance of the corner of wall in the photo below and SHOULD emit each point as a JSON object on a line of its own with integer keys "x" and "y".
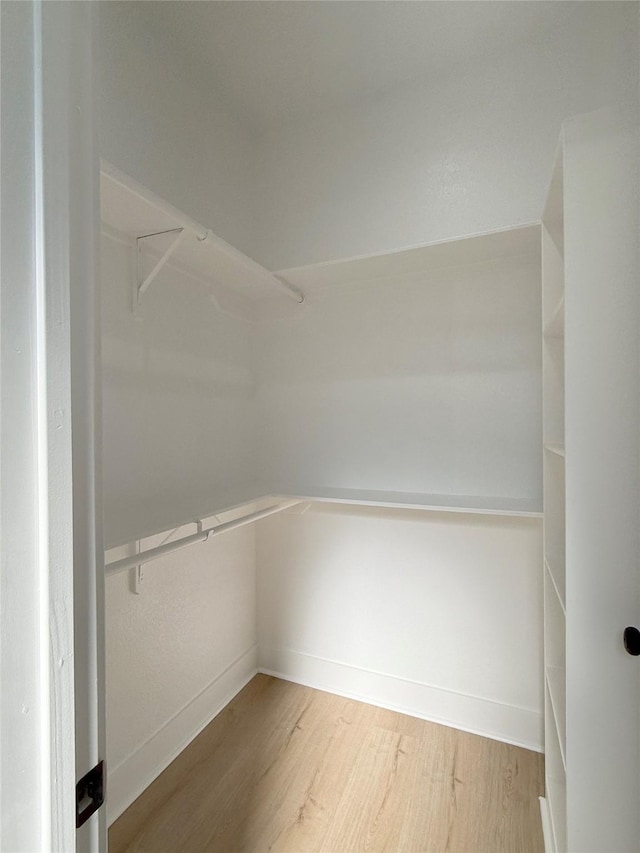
{"x": 130, "y": 778}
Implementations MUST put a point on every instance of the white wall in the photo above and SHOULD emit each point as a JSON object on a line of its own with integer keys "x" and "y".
{"x": 178, "y": 402}
{"x": 443, "y": 158}
{"x": 432, "y": 614}
{"x": 427, "y": 383}
{"x": 176, "y": 654}
{"x": 165, "y": 126}
{"x": 178, "y": 435}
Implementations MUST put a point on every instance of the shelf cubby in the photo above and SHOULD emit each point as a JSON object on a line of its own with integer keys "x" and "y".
{"x": 554, "y": 518}
{"x": 556, "y": 785}
{"x": 555, "y": 625}
{"x": 556, "y": 686}
{"x": 553, "y": 396}
{"x": 554, "y": 326}
{"x": 558, "y": 584}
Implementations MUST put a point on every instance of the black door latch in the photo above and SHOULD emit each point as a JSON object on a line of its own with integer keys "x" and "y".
{"x": 89, "y": 794}
{"x": 632, "y": 641}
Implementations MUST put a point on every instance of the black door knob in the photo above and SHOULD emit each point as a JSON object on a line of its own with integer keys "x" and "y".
{"x": 632, "y": 641}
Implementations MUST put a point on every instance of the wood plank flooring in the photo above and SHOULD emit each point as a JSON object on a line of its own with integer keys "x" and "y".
{"x": 287, "y": 768}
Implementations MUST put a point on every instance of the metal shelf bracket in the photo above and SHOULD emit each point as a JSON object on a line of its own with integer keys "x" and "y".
{"x": 140, "y": 283}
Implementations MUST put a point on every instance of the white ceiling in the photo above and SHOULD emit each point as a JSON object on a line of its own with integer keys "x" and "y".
{"x": 273, "y": 61}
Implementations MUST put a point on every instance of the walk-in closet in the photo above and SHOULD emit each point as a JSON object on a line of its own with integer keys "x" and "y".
{"x": 334, "y": 360}
{"x": 367, "y": 410}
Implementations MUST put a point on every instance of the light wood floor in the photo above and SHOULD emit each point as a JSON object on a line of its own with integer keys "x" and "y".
{"x": 287, "y": 768}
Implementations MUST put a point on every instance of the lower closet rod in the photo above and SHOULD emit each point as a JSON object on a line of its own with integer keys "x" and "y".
{"x": 201, "y": 536}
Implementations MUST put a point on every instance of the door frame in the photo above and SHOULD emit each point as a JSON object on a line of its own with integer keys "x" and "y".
{"x": 52, "y": 578}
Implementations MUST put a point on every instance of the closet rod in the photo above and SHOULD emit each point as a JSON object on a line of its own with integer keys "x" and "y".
{"x": 201, "y": 536}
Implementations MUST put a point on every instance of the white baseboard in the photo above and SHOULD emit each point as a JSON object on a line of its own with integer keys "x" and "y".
{"x": 507, "y": 723}
{"x": 129, "y": 779}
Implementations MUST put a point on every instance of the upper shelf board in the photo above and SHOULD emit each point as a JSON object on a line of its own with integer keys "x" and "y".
{"x": 477, "y": 504}
{"x": 131, "y": 209}
{"x": 508, "y": 243}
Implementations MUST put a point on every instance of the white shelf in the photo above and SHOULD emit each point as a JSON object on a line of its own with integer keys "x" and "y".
{"x": 240, "y": 499}
{"x": 556, "y": 795}
{"x": 136, "y": 212}
{"x": 547, "y": 828}
{"x": 553, "y": 391}
{"x": 556, "y": 586}
{"x": 554, "y": 327}
{"x": 161, "y": 518}
{"x": 557, "y": 449}
{"x": 555, "y": 628}
{"x": 554, "y": 515}
{"x": 479, "y": 504}
{"x": 419, "y": 260}
{"x": 556, "y": 684}
{"x": 555, "y": 781}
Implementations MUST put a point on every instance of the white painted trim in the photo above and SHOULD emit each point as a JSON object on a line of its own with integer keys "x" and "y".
{"x": 507, "y": 723}
{"x": 48, "y": 259}
{"x": 133, "y": 775}
{"x": 497, "y": 720}
{"x": 547, "y": 832}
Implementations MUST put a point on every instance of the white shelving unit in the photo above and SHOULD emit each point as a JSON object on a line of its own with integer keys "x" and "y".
{"x": 554, "y": 508}
{"x": 591, "y": 491}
